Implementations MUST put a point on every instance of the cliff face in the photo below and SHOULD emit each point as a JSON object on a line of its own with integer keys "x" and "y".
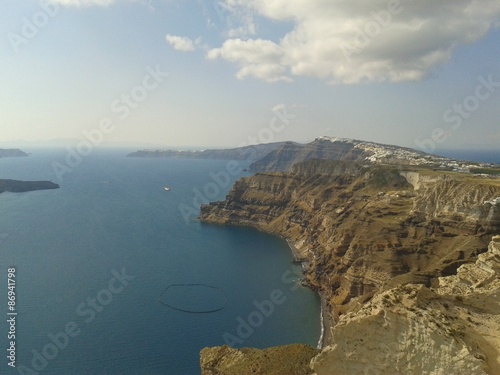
{"x": 367, "y": 228}
{"x": 452, "y": 329}
{"x": 284, "y": 157}
{"x": 327, "y": 148}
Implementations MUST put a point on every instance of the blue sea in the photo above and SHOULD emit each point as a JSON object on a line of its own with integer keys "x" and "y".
{"x": 484, "y": 156}
{"x": 113, "y": 279}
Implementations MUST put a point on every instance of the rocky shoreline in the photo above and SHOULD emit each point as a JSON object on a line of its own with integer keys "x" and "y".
{"x": 326, "y": 321}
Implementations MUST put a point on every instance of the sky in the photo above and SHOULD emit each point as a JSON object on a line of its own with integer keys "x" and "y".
{"x": 194, "y": 74}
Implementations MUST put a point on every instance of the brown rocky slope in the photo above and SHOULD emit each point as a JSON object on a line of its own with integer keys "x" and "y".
{"x": 366, "y": 230}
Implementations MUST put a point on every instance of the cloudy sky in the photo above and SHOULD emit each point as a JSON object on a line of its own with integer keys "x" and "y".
{"x": 418, "y": 73}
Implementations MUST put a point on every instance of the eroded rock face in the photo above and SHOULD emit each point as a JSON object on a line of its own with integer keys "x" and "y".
{"x": 363, "y": 228}
{"x": 452, "y": 329}
{"x": 403, "y": 331}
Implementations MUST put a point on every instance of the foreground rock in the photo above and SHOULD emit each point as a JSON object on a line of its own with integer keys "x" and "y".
{"x": 452, "y": 329}
{"x": 15, "y": 186}
{"x": 285, "y": 360}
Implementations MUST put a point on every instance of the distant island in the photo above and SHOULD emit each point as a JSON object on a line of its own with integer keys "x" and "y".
{"x": 15, "y": 186}
{"x": 248, "y": 153}
{"x": 11, "y": 152}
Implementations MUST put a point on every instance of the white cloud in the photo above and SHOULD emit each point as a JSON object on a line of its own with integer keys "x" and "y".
{"x": 278, "y": 107}
{"x": 344, "y": 41}
{"x": 181, "y": 43}
{"x": 262, "y": 59}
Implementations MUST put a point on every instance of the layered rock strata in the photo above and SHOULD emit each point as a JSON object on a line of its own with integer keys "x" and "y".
{"x": 451, "y": 329}
{"x": 363, "y": 228}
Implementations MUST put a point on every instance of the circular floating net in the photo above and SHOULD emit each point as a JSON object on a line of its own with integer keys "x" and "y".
{"x": 193, "y": 298}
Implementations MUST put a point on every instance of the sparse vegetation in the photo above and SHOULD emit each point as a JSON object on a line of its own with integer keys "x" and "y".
{"x": 491, "y": 171}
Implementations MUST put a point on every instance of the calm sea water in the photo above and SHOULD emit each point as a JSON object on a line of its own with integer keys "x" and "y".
{"x": 111, "y": 213}
{"x": 486, "y": 156}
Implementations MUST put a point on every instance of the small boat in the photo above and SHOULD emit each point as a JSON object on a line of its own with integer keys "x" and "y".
{"x": 166, "y": 187}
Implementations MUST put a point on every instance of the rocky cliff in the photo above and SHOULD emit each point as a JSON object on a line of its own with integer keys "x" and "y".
{"x": 451, "y": 329}
{"x": 328, "y": 148}
{"x": 362, "y": 227}
{"x": 371, "y": 233}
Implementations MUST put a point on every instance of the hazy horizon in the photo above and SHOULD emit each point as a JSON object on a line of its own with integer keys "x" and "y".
{"x": 73, "y": 143}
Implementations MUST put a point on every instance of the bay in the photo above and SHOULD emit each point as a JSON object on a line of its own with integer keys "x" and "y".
{"x": 112, "y": 216}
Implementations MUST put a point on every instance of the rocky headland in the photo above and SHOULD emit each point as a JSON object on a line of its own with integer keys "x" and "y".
{"x": 405, "y": 254}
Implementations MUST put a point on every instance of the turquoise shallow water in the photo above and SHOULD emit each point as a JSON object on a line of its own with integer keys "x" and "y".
{"x": 112, "y": 217}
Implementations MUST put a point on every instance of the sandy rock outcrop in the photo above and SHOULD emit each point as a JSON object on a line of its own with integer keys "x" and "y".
{"x": 284, "y": 360}
{"x": 453, "y": 329}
